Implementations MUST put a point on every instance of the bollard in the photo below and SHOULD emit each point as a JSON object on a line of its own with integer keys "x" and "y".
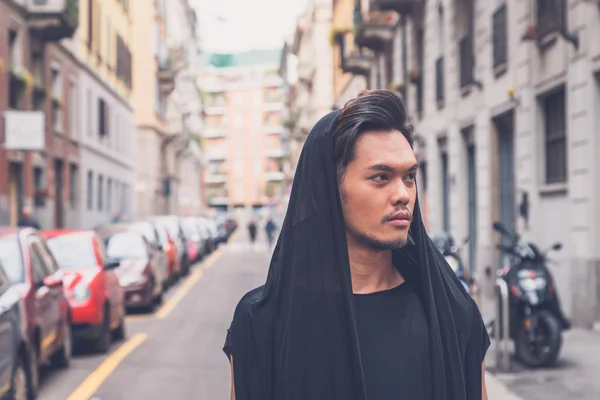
{"x": 502, "y": 336}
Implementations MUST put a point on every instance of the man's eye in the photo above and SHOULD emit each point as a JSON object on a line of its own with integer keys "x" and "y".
{"x": 411, "y": 177}
{"x": 380, "y": 178}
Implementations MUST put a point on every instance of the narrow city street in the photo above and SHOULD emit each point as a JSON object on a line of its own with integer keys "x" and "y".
{"x": 175, "y": 353}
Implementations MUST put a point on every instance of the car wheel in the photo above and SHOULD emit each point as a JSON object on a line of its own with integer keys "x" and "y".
{"x": 103, "y": 341}
{"x": 62, "y": 358}
{"x": 120, "y": 333}
{"x": 19, "y": 385}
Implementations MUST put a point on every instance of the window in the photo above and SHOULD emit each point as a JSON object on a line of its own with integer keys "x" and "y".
{"x": 555, "y": 137}
{"x": 90, "y": 19}
{"x": 57, "y": 99}
{"x": 15, "y": 64}
{"x": 109, "y": 194}
{"x": 90, "y": 112}
{"x": 445, "y": 191}
{"x": 73, "y": 110}
{"x": 90, "y": 190}
{"x": 39, "y": 199}
{"x": 102, "y": 118}
{"x": 100, "y": 192}
{"x": 123, "y": 66}
{"x": 500, "y": 37}
{"x": 73, "y": 178}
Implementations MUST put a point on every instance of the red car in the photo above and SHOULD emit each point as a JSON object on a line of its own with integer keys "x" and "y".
{"x": 91, "y": 285}
{"x": 33, "y": 271}
{"x": 170, "y": 249}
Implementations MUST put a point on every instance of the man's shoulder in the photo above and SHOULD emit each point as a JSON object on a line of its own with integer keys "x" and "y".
{"x": 248, "y": 301}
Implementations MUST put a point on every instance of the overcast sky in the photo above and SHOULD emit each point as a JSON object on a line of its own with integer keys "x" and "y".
{"x": 241, "y": 25}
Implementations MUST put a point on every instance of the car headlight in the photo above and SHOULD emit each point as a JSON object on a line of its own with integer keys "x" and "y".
{"x": 129, "y": 280}
{"x": 81, "y": 292}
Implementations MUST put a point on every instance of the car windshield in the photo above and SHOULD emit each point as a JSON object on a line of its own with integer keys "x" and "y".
{"x": 73, "y": 251}
{"x": 172, "y": 226}
{"x": 125, "y": 246}
{"x": 162, "y": 235}
{"x": 190, "y": 227}
{"x": 11, "y": 259}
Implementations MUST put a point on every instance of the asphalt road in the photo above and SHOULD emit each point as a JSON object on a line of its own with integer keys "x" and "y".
{"x": 176, "y": 352}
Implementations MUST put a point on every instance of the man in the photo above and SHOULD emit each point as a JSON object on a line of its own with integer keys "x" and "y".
{"x": 270, "y": 231}
{"x": 252, "y": 232}
{"x": 358, "y": 303}
{"x": 27, "y": 220}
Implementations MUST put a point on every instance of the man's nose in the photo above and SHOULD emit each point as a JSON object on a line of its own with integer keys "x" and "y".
{"x": 400, "y": 194}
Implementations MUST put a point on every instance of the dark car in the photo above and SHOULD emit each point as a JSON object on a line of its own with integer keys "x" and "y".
{"x": 15, "y": 377}
{"x": 31, "y": 268}
{"x": 140, "y": 271}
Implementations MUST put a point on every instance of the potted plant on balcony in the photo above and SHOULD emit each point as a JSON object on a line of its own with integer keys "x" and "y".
{"x": 397, "y": 87}
{"x": 531, "y": 33}
{"x": 56, "y": 103}
{"x": 415, "y": 76}
{"x": 336, "y": 32}
{"x": 39, "y": 92}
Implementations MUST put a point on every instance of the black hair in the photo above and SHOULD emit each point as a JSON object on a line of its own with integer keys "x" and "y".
{"x": 371, "y": 110}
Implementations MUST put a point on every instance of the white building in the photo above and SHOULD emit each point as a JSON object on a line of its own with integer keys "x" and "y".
{"x": 107, "y": 146}
{"x": 507, "y": 97}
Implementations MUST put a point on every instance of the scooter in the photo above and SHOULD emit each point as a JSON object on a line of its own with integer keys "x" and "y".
{"x": 445, "y": 244}
{"x": 536, "y": 320}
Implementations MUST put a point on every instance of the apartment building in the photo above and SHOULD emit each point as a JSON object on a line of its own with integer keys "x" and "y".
{"x": 107, "y": 140}
{"x": 244, "y": 135}
{"x": 39, "y": 133}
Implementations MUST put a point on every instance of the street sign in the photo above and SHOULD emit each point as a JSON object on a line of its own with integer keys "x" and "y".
{"x": 24, "y": 130}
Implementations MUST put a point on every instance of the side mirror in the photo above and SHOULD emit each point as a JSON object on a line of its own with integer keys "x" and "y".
{"x": 112, "y": 264}
{"x": 557, "y": 246}
{"x": 159, "y": 247}
{"x": 52, "y": 281}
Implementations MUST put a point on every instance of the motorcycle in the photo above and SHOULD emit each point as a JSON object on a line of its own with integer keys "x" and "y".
{"x": 536, "y": 320}
{"x": 451, "y": 252}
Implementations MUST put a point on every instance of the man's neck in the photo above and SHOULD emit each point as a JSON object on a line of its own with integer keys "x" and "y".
{"x": 372, "y": 271}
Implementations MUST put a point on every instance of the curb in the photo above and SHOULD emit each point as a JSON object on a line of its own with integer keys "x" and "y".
{"x": 496, "y": 390}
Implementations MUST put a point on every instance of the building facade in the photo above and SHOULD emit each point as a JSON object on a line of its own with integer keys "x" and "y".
{"x": 505, "y": 99}
{"x": 244, "y": 135}
{"x": 39, "y": 134}
{"x": 107, "y": 140}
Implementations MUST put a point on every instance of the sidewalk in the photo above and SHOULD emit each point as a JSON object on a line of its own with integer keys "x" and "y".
{"x": 497, "y": 390}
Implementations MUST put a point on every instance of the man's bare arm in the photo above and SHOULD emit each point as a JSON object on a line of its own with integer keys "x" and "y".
{"x": 483, "y": 388}
{"x": 233, "y": 380}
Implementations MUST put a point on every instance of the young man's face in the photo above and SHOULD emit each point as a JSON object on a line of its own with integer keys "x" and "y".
{"x": 379, "y": 190}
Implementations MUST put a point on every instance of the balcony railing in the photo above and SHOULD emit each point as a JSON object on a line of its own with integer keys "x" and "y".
{"x": 551, "y": 17}
{"x": 439, "y": 81}
{"x": 401, "y": 6}
{"x": 213, "y": 178}
{"x": 467, "y": 61}
{"x": 53, "y": 19}
{"x": 357, "y": 64}
{"x": 274, "y": 175}
{"x": 166, "y": 76}
{"x": 500, "y": 37}
{"x": 375, "y": 29}
{"x": 215, "y": 131}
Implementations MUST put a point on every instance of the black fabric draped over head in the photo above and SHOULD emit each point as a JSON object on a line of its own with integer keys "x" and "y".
{"x": 295, "y": 338}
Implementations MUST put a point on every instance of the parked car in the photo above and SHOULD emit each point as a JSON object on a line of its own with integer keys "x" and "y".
{"x": 92, "y": 287}
{"x": 173, "y": 225}
{"x": 30, "y": 266}
{"x": 209, "y": 243}
{"x": 195, "y": 242}
{"x": 15, "y": 377}
{"x": 139, "y": 271}
{"x": 170, "y": 249}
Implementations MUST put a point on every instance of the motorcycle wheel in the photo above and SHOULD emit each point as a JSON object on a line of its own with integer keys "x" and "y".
{"x": 544, "y": 350}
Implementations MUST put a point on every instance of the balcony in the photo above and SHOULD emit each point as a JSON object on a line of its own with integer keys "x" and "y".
{"x": 357, "y": 64}
{"x": 274, "y": 176}
{"x": 215, "y": 178}
{"x": 166, "y": 76}
{"x": 53, "y": 20}
{"x": 215, "y": 132}
{"x": 215, "y": 110}
{"x": 467, "y": 61}
{"x": 216, "y": 156}
{"x": 273, "y": 101}
{"x": 276, "y": 153}
{"x": 306, "y": 72}
{"x": 218, "y": 201}
{"x": 551, "y": 17}
{"x": 376, "y": 29}
{"x": 274, "y": 129}
{"x": 400, "y": 6}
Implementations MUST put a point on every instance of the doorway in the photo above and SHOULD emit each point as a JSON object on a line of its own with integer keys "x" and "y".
{"x": 471, "y": 198}
{"x": 59, "y": 193}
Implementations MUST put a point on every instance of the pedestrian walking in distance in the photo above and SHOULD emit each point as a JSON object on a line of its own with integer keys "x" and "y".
{"x": 27, "y": 219}
{"x": 358, "y": 303}
{"x": 252, "y": 232}
{"x": 270, "y": 231}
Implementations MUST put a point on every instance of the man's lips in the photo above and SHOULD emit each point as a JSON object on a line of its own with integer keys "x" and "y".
{"x": 401, "y": 219}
